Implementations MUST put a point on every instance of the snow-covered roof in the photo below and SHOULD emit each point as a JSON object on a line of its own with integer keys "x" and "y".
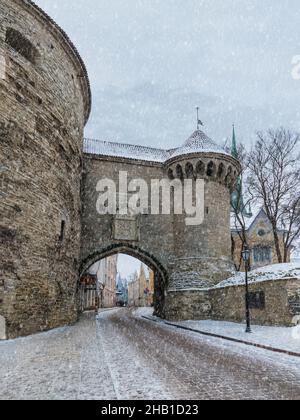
{"x": 271, "y": 272}
{"x": 258, "y": 212}
{"x": 197, "y": 143}
{"x": 249, "y": 221}
{"x": 129, "y": 151}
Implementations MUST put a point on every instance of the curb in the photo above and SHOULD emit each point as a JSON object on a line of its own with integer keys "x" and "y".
{"x": 234, "y": 340}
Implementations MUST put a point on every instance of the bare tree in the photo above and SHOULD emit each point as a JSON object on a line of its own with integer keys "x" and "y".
{"x": 274, "y": 180}
{"x": 241, "y": 200}
{"x": 290, "y": 221}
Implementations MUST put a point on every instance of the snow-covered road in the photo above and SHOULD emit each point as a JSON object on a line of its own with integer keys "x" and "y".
{"x": 122, "y": 356}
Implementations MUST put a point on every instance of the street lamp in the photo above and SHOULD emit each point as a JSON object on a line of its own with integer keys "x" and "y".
{"x": 246, "y": 253}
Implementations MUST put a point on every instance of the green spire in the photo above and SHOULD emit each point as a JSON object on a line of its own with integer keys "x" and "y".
{"x": 237, "y": 201}
{"x": 234, "y": 149}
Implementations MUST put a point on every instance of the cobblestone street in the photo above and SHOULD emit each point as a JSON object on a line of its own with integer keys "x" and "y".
{"x": 122, "y": 356}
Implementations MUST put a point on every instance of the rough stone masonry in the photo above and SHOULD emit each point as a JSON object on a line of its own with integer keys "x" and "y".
{"x": 50, "y": 231}
{"x": 45, "y": 102}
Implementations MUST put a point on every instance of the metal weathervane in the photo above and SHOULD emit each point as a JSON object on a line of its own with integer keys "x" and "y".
{"x": 199, "y": 122}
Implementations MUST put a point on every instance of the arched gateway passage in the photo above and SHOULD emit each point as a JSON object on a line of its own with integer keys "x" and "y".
{"x": 160, "y": 273}
{"x": 188, "y": 258}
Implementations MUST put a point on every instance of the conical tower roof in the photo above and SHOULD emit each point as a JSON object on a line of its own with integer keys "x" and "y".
{"x": 198, "y": 142}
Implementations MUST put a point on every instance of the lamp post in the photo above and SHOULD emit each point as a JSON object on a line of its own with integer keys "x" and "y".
{"x": 246, "y": 258}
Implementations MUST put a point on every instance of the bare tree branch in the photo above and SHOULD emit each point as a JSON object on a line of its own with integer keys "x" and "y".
{"x": 274, "y": 179}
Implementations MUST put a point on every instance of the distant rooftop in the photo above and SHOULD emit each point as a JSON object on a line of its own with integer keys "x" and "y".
{"x": 197, "y": 143}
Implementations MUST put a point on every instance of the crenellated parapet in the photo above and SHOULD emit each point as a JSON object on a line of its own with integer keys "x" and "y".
{"x": 214, "y": 168}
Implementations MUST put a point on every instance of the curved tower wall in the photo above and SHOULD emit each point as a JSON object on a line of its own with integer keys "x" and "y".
{"x": 45, "y": 103}
{"x": 202, "y": 256}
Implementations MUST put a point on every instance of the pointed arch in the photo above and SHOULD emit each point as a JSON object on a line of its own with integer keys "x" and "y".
{"x": 161, "y": 276}
{"x": 189, "y": 170}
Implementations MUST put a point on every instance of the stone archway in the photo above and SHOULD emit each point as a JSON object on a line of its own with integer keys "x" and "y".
{"x": 160, "y": 273}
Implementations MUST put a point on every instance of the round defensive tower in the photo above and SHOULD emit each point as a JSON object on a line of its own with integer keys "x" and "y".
{"x": 202, "y": 256}
{"x": 45, "y": 103}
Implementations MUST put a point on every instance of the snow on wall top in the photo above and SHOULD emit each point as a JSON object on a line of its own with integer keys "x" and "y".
{"x": 197, "y": 143}
{"x": 122, "y": 150}
{"x": 272, "y": 272}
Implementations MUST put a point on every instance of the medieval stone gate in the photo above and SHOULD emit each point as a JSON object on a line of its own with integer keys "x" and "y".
{"x": 185, "y": 258}
{"x": 50, "y": 231}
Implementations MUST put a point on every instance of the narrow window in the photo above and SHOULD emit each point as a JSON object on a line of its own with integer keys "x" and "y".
{"x": 62, "y": 231}
{"x": 170, "y": 174}
{"x": 211, "y": 169}
{"x": 200, "y": 168}
{"x": 179, "y": 172}
{"x": 21, "y": 45}
{"x": 189, "y": 170}
{"x": 221, "y": 170}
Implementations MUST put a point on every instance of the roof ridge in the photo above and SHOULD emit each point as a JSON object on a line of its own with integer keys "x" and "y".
{"x": 116, "y": 143}
{"x": 149, "y": 153}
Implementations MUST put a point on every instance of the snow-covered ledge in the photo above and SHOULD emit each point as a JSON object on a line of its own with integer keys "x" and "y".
{"x": 271, "y": 272}
{"x": 275, "y": 296}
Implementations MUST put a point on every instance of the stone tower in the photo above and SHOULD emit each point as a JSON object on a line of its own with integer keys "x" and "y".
{"x": 202, "y": 254}
{"x": 45, "y": 103}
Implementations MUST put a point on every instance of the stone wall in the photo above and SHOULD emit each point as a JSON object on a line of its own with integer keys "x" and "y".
{"x": 281, "y": 298}
{"x": 44, "y": 105}
{"x": 185, "y": 305}
{"x": 282, "y": 302}
{"x": 152, "y": 234}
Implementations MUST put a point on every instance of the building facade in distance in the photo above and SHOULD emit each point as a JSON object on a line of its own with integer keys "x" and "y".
{"x": 258, "y": 229}
{"x": 260, "y": 240}
{"x": 106, "y": 271}
{"x": 141, "y": 288}
{"x": 121, "y": 291}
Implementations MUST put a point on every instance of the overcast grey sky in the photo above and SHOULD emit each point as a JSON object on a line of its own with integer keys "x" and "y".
{"x": 152, "y": 61}
{"x": 128, "y": 265}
